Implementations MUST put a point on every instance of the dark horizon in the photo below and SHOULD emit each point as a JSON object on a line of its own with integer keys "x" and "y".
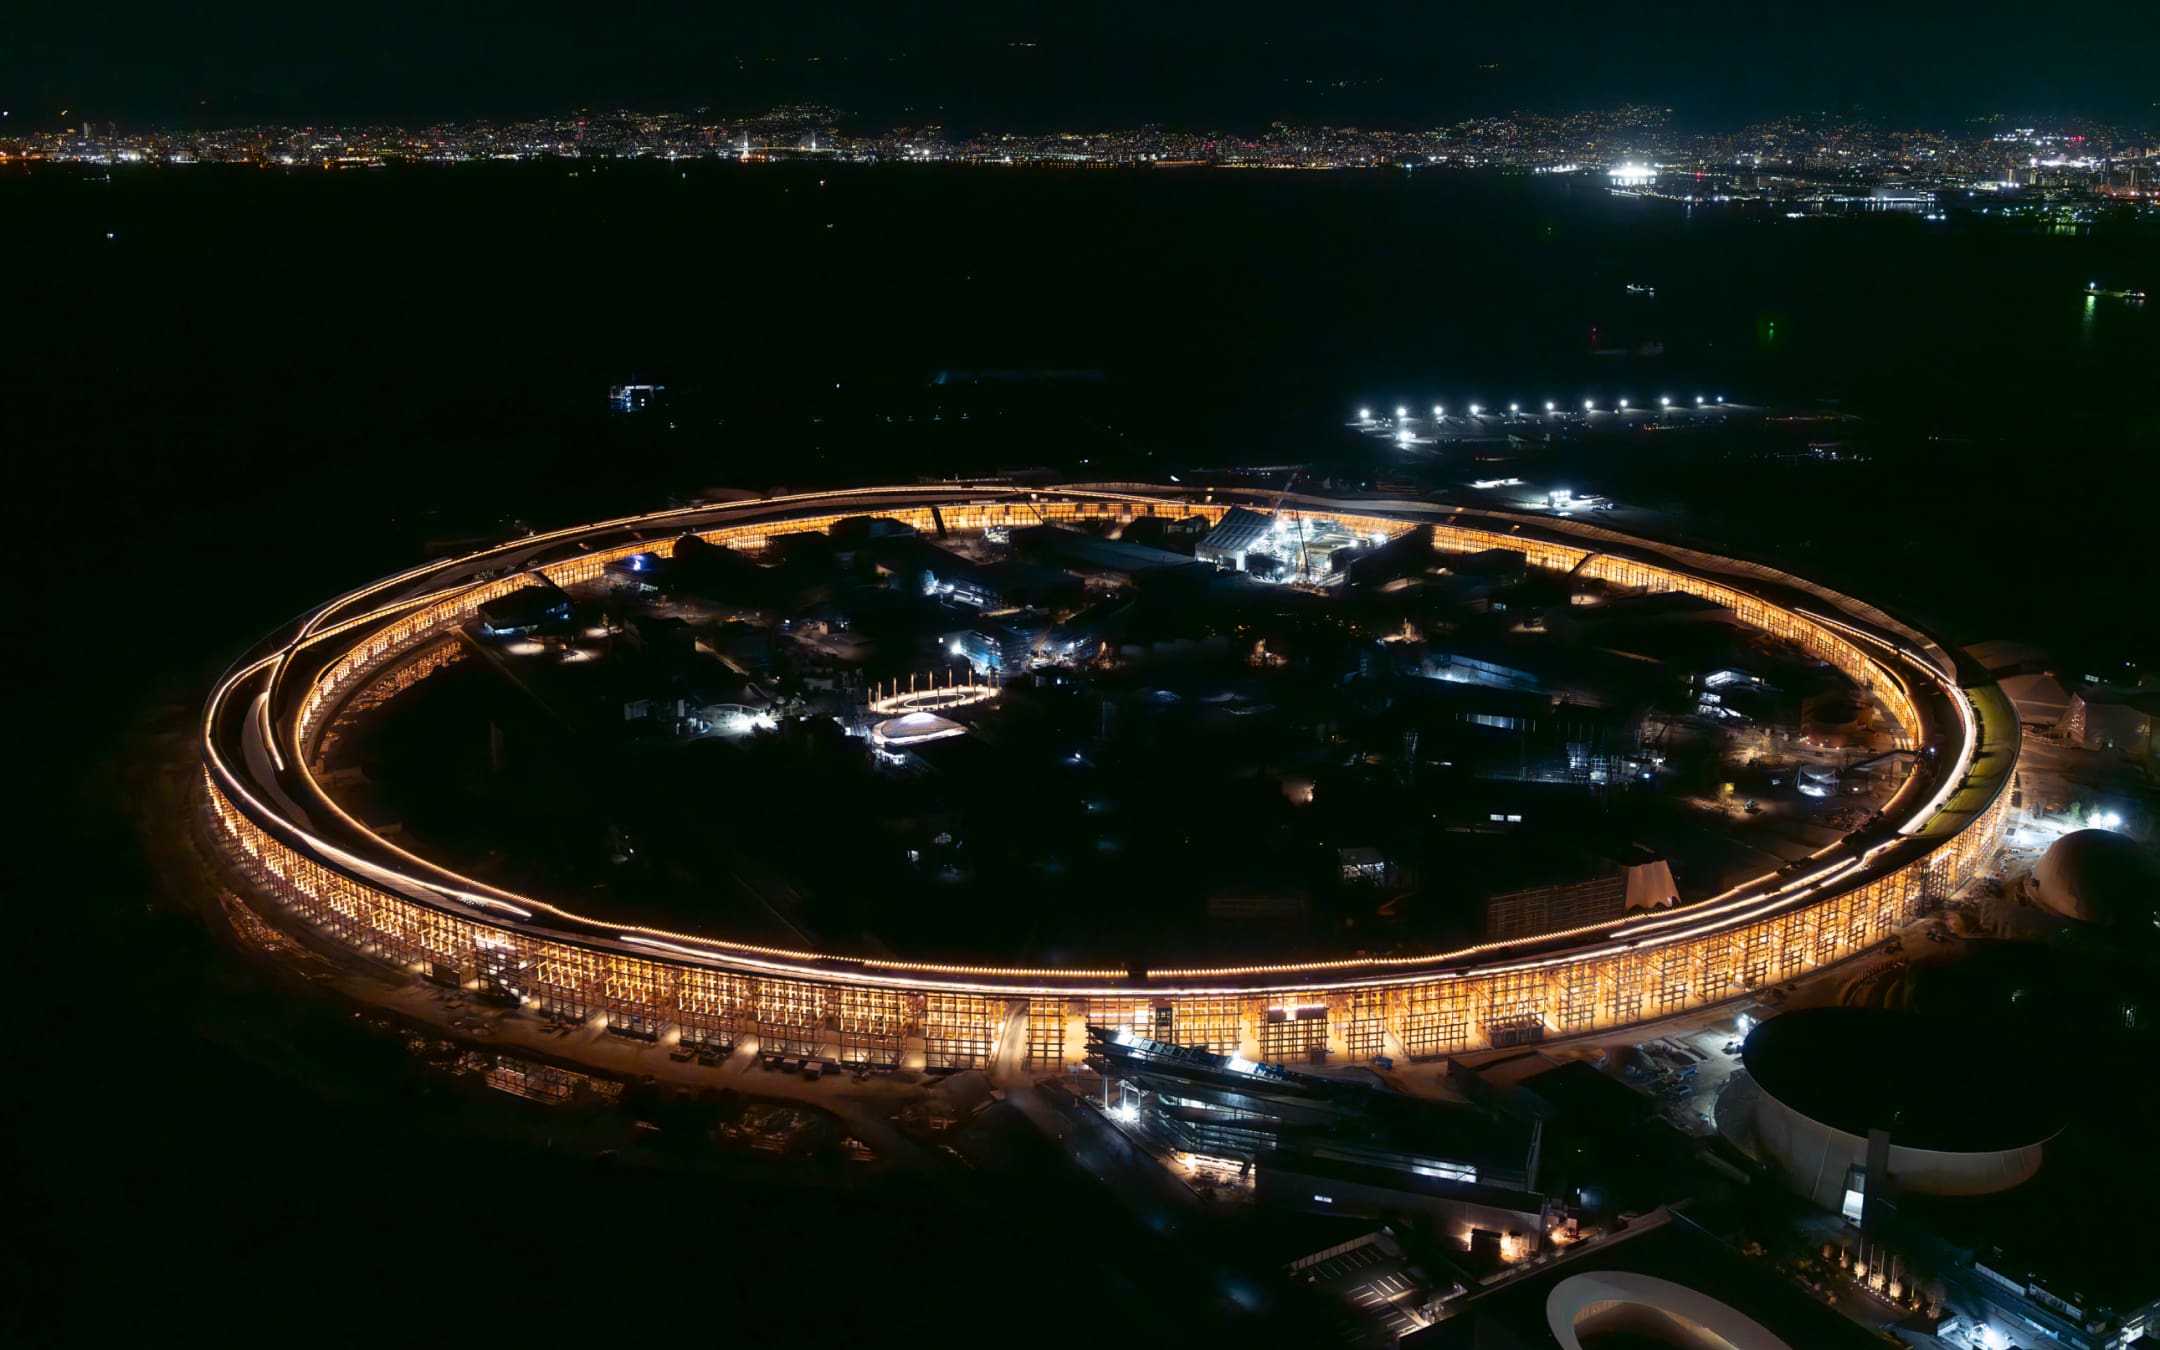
{"x": 983, "y": 67}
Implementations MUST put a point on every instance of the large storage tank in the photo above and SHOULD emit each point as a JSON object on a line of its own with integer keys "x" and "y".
{"x": 1826, "y": 1077}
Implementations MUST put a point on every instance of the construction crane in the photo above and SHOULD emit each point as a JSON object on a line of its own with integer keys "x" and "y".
{"x": 1304, "y": 562}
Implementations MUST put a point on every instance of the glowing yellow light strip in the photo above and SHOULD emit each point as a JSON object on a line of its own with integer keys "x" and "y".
{"x": 1640, "y": 932}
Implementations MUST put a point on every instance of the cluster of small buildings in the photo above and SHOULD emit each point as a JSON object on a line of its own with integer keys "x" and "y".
{"x": 1365, "y": 715}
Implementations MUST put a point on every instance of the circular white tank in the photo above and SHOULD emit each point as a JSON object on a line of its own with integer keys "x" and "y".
{"x": 1826, "y": 1077}
{"x": 1648, "y": 1311}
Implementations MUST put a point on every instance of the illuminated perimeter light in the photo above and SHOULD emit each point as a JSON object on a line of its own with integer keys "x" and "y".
{"x": 253, "y": 821}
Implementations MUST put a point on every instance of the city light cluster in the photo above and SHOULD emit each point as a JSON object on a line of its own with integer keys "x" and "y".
{"x": 1819, "y": 162}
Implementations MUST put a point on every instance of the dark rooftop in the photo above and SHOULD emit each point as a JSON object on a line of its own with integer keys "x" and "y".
{"x": 1857, "y": 1069}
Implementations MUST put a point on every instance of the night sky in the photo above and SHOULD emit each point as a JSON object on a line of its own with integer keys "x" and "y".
{"x": 968, "y": 65}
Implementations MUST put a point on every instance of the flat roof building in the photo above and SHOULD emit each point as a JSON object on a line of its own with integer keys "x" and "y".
{"x": 1234, "y": 536}
{"x": 525, "y": 609}
{"x": 1086, "y": 553}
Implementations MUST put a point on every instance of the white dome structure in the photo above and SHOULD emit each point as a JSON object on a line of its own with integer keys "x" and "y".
{"x": 914, "y": 728}
{"x": 2098, "y": 877}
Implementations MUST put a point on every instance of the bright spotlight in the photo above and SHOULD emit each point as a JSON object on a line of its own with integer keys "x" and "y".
{"x": 1514, "y": 407}
{"x": 1401, "y": 411}
{"x": 1473, "y": 410}
{"x": 1403, "y": 435}
{"x": 1548, "y": 405}
{"x": 1364, "y": 414}
{"x": 1438, "y": 411}
{"x": 1698, "y": 400}
{"x": 1721, "y": 398}
{"x": 1586, "y": 406}
{"x": 1664, "y": 402}
{"x": 1623, "y": 405}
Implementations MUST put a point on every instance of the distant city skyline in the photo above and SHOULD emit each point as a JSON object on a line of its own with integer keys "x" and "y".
{"x": 864, "y": 124}
{"x": 973, "y": 66}
{"x": 1818, "y": 160}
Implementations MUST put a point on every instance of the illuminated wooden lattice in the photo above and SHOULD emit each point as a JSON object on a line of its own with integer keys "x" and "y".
{"x": 1049, "y": 1021}
{"x": 1824, "y": 936}
{"x": 1214, "y": 1024}
{"x": 499, "y": 970}
{"x": 1575, "y": 989}
{"x": 1293, "y": 1029}
{"x": 1629, "y": 976}
{"x": 1672, "y": 978}
{"x": 873, "y": 1025}
{"x": 566, "y": 981}
{"x": 960, "y": 1030}
{"x": 1885, "y": 909}
{"x": 1718, "y": 960}
{"x": 710, "y": 1006}
{"x": 1134, "y": 1014}
{"x": 790, "y": 1017}
{"x": 639, "y": 997}
{"x": 398, "y": 675}
{"x": 344, "y": 913}
{"x": 1434, "y": 1018}
{"x": 1359, "y": 1019}
{"x": 1511, "y": 1006}
{"x": 1796, "y": 943}
{"x": 388, "y": 636}
{"x": 1855, "y": 921}
{"x": 394, "y": 937}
